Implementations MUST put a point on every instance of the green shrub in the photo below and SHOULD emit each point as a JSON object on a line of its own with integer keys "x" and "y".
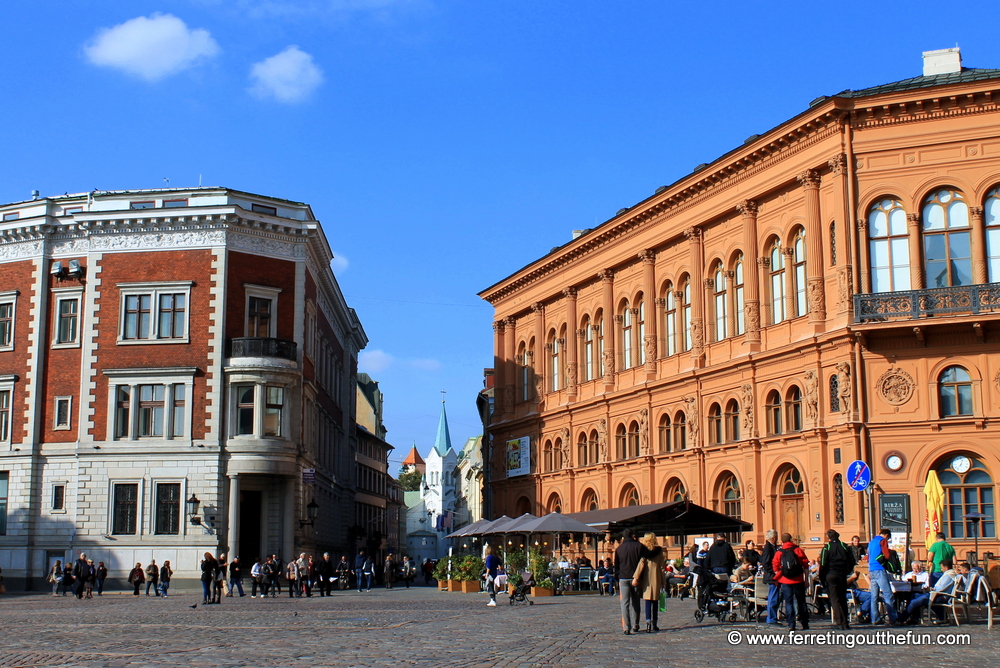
{"x": 538, "y": 564}
{"x": 441, "y": 570}
{"x": 467, "y": 568}
{"x": 516, "y": 562}
{"x": 545, "y": 583}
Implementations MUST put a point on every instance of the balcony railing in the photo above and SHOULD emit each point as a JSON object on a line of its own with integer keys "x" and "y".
{"x": 259, "y": 347}
{"x": 913, "y": 304}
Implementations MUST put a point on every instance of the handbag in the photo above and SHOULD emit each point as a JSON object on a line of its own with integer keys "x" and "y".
{"x": 663, "y": 600}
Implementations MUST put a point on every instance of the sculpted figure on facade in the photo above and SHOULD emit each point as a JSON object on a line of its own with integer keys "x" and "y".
{"x": 693, "y": 420}
{"x": 644, "y": 431}
{"x": 812, "y": 395}
{"x": 844, "y": 385}
{"x": 539, "y": 386}
{"x": 649, "y": 342}
{"x": 748, "y": 427}
{"x": 508, "y": 398}
{"x": 697, "y": 334}
{"x": 817, "y": 297}
{"x": 567, "y": 451}
{"x": 571, "y": 374}
{"x": 609, "y": 365}
{"x": 602, "y": 439}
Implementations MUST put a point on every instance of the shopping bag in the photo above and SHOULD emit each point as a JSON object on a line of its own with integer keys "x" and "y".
{"x": 663, "y": 600}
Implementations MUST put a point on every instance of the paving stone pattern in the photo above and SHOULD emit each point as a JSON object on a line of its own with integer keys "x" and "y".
{"x": 410, "y": 627}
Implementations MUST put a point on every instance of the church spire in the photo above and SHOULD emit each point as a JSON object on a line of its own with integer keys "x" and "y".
{"x": 442, "y": 443}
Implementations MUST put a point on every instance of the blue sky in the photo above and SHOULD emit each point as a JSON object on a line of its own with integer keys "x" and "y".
{"x": 443, "y": 144}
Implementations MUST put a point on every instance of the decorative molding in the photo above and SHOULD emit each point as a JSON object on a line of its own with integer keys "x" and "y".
{"x": 748, "y": 411}
{"x": 817, "y": 298}
{"x": 538, "y": 308}
{"x": 606, "y": 275}
{"x": 811, "y": 384}
{"x": 569, "y": 293}
{"x": 764, "y": 262}
{"x": 808, "y": 179}
{"x": 895, "y": 386}
{"x": 913, "y": 219}
{"x": 660, "y": 301}
{"x": 649, "y": 345}
{"x": 647, "y": 256}
{"x": 692, "y": 234}
{"x": 752, "y": 312}
{"x": 748, "y": 208}
{"x": 838, "y": 164}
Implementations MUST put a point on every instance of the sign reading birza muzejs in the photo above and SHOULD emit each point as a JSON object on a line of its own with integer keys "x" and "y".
{"x": 894, "y": 510}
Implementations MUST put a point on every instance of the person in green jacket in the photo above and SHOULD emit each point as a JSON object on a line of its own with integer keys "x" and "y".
{"x": 937, "y": 553}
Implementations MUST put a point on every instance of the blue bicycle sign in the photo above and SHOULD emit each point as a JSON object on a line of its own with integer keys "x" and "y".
{"x": 859, "y": 475}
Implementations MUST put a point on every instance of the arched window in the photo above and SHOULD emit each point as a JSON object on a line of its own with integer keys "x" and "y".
{"x": 721, "y": 316}
{"x": 833, "y": 244}
{"x": 838, "y": 499}
{"x": 955, "y": 392}
{"x": 773, "y": 408}
{"x": 590, "y": 501}
{"x": 626, "y": 336}
{"x": 835, "y": 393}
{"x": 641, "y": 326}
{"x": 630, "y": 496}
{"x": 621, "y": 441}
{"x": 799, "y": 258}
{"x": 599, "y": 344}
{"x": 890, "y": 249}
{"x": 582, "y": 452}
{"x": 555, "y": 504}
{"x": 732, "y": 420}
{"x": 794, "y": 408}
{"x": 680, "y": 431}
{"x": 731, "y": 497}
{"x": 686, "y": 314}
{"x": 675, "y": 491}
{"x": 790, "y": 483}
{"x": 665, "y": 434}
{"x": 778, "y": 283}
{"x": 547, "y": 456}
{"x": 524, "y": 359}
{"x": 715, "y": 424}
{"x": 741, "y": 325}
{"x": 670, "y": 321}
{"x": 633, "y": 439}
{"x": 947, "y": 240}
{"x": 555, "y": 352}
{"x": 557, "y": 455}
{"x": 522, "y": 506}
{"x": 968, "y": 488}
{"x": 991, "y": 217}
{"x": 588, "y": 350}
{"x": 593, "y": 444}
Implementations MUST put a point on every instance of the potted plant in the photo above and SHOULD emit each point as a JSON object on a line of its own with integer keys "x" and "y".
{"x": 441, "y": 574}
{"x": 538, "y": 564}
{"x": 514, "y": 580}
{"x": 516, "y": 563}
{"x": 470, "y": 572}
{"x": 544, "y": 587}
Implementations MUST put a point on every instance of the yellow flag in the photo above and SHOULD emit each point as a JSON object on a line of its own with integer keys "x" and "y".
{"x": 934, "y": 498}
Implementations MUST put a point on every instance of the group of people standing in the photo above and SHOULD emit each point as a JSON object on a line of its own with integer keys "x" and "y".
{"x": 81, "y": 577}
{"x": 639, "y": 565}
{"x": 364, "y": 571}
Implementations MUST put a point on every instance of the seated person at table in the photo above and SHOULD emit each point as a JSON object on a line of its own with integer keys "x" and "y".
{"x": 744, "y": 573}
{"x": 606, "y": 575}
{"x": 563, "y": 562}
{"x": 862, "y": 597}
{"x": 918, "y": 575}
{"x": 950, "y": 579}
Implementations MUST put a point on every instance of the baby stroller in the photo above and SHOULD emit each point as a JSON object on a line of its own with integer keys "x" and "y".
{"x": 713, "y": 596}
{"x": 521, "y": 591}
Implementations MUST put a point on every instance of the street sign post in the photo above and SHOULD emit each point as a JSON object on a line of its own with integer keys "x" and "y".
{"x": 859, "y": 475}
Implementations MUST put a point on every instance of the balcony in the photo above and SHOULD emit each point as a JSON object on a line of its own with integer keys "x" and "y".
{"x": 915, "y": 304}
{"x": 260, "y": 347}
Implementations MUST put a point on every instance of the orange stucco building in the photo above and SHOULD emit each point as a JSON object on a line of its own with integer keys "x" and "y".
{"x": 826, "y": 292}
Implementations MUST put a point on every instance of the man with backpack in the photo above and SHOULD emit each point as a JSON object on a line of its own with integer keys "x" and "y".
{"x": 882, "y": 564}
{"x": 836, "y": 562}
{"x": 790, "y": 567}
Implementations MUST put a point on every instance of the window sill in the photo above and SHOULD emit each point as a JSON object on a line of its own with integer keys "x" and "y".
{"x": 147, "y": 342}
{"x": 62, "y": 346}
{"x": 6, "y": 349}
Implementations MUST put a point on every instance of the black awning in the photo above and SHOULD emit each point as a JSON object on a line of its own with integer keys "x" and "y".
{"x": 666, "y": 519}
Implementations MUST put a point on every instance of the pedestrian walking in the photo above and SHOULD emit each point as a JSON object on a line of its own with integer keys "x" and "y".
{"x": 272, "y": 571}
{"x": 343, "y": 572}
{"x": 359, "y": 568}
{"x": 881, "y": 567}
{"x": 102, "y": 575}
{"x": 428, "y": 570}
{"x": 153, "y": 578}
{"x": 836, "y": 562}
{"x": 767, "y": 566}
{"x": 721, "y": 559}
{"x": 235, "y": 577}
{"x": 56, "y": 577}
{"x": 492, "y": 570}
{"x": 790, "y": 566}
{"x": 325, "y": 573}
{"x": 257, "y": 577}
{"x": 649, "y": 579}
{"x": 627, "y": 558}
{"x": 310, "y": 577}
{"x": 136, "y": 578}
{"x": 388, "y": 571}
{"x": 90, "y": 580}
{"x": 406, "y": 570}
{"x": 292, "y": 575}
{"x": 208, "y": 567}
{"x": 166, "y": 572}
{"x": 80, "y": 572}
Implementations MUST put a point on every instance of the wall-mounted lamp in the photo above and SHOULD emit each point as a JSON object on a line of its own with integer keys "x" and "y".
{"x": 312, "y": 511}
{"x": 192, "y": 509}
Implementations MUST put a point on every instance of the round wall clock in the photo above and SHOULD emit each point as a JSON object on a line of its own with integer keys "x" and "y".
{"x": 894, "y": 461}
{"x": 961, "y": 464}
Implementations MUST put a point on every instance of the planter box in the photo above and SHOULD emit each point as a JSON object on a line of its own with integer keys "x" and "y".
{"x": 542, "y": 591}
{"x": 454, "y": 585}
{"x": 442, "y": 585}
{"x": 470, "y": 587}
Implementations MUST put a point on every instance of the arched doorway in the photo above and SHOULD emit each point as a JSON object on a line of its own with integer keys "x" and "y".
{"x": 791, "y": 503}
{"x": 522, "y": 506}
{"x": 555, "y": 504}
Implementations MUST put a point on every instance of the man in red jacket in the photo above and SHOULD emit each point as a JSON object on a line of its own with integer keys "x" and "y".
{"x": 790, "y": 568}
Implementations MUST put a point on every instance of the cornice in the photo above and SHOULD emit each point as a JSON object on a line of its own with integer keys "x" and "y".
{"x": 930, "y": 107}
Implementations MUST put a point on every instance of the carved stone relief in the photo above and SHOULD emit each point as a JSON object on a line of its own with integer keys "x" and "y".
{"x": 895, "y": 386}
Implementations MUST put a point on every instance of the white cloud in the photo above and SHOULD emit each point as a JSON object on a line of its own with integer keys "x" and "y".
{"x": 339, "y": 263}
{"x": 151, "y": 47}
{"x": 374, "y": 361}
{"x": 426, "y": 365}
{"x": 289, "y": 76}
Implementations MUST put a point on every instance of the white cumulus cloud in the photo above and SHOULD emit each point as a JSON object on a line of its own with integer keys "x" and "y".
{"x": 151, "y": 47}
{"x": 339, "y": 263}
{"x": 374, "y": 361}
{"x": 289, "y": 76}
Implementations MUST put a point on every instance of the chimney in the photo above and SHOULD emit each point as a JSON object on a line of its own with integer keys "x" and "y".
{"x": 942, "y": 61}
{"x": 578, "y": 233}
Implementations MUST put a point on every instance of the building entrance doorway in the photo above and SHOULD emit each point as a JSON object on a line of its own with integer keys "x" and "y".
{"x": 249, "y": 544}
{"x": 792, "y": 504}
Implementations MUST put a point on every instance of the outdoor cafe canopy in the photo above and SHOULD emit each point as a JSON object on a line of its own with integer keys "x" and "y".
{"x": 666, "y": 519}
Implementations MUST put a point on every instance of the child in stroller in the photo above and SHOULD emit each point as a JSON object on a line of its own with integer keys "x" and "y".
{"x": 713, "y": 597}
{"x": 521, "y": 591}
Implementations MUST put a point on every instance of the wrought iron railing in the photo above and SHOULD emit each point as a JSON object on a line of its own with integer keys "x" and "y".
{"x": 261, "y": 347}
{"x": 913, "y": 304}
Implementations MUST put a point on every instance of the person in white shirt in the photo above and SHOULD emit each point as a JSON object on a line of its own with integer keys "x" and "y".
{"x": 947, "y": 583}
{"x": 257, "y": 575}
{"x": 917, "y": 575}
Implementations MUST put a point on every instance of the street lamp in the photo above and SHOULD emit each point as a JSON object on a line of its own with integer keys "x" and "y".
{"x": 312, "y": 511}
{"x": 975, "y": 518}
{"x": 192, "y": 509}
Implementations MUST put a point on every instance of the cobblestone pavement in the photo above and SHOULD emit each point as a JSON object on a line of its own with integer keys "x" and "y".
{"x": 414, "y": 627}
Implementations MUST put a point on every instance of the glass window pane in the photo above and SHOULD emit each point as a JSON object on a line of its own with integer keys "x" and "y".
{"x": 878, "y": 224}
{"x": 965, "y": 399}
{"x": 961, "y": 272}
{"x": 897, "y": 221}
{"x": 880, "y": 253}
{"x": 958, "y": 214}
{"x": 947, "y": 400}
{"x": 901, "y": 278}
{"x": 933, "y": 217}
{"x": 991, "y": 212}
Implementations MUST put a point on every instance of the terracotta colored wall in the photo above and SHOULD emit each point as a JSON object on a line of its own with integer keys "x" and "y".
{"x": 18, "y": 276}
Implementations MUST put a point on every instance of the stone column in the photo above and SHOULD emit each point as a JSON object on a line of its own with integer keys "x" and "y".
{"x": 538, "y": 308}
{"x": 510, "y": 364}
{"x": 914, "y": 235}
{"x": 572, "y": 368}
{"x": 660, "y": 305}
{"x": 751, "y": 284}
{"x": 863, "y": 260}
{"x": 790, "y": 284}
{"x": 234, "y": 516}
{"x": 763, "y": 277}
{"x": 815, "y": 284}
{"x": 607, "y": 277}
{"x": 648, "y": 258}
{"x": 697, "y": 323}
{"x": 731, "y": 301}
{"x": 499, "y": 366}
{"x": 708, "y": 295}
{"x": 980, "y": 274}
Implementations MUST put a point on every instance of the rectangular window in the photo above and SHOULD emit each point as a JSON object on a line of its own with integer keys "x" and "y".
{"x": 168, "y": 508}
{"x": 122, "y": 412}
{"x": 272, "y": 410}
{"x": 160, "y": 411}
{"x": 5, "y": 415}
{"x": 177, "y": 426}
{"x": 7, "y": 324}
{"x": 174, "y": 203}
{"x": 260, "y": 208}
{"x": 151, "y": 404}
{"x": 4, "y": 483}
{"x": 58, "y": 497}
{"x": 244, "y": 409}
{"x": 142, "y": 205}
{"x": 68, "y": 314}
{"x": 259, "y": 317}
{"x": 137, "y": 316}
{"x": 71, "y": 210}
{"x": 154, "y": 312}
{"x": 12, "y": 216}
{"x": 63, "y": 411}
{"x": 125, "y": 511}
{"x": 171, "y": 310}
